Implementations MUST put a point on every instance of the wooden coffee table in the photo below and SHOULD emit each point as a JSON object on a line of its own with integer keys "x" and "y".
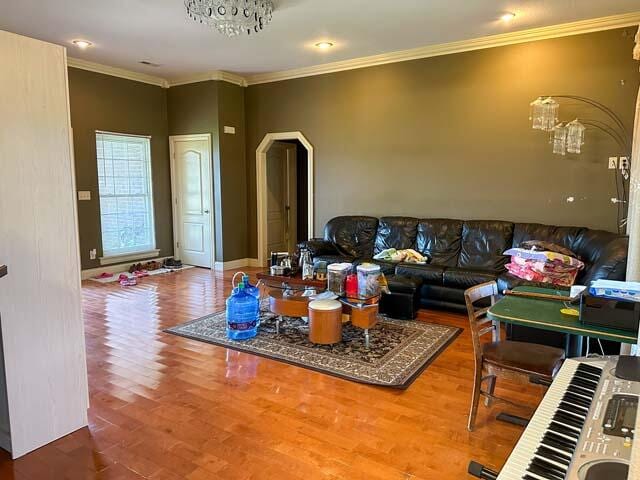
{"x": 285, "y": 300}
{"x": 363, "y": 312}
{"x": 287, "y": 305}
{"x": 287, "y": 282}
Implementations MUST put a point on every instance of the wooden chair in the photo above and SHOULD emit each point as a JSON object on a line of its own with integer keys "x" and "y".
{"x": 518, "y": 361}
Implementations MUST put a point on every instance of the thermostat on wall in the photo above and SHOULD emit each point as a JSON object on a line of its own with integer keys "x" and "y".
{"x": 84, "y": 195}
{"x": 231, "y": 130}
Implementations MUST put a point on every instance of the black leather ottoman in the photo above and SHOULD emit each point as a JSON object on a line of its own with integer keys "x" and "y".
{"x": 404, "y": 300}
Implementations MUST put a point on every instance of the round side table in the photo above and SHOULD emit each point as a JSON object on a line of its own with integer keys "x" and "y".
{"x": 325, "y": 322}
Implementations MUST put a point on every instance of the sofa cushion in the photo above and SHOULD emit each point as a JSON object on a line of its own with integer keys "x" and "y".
{"x": 483, "y": 242}
{"x": 396, "y": 232}
{"x": 352, "y": 235}
{"x": 439, "y": 240}
{"x": 439, "y": 293}
{"x": 564, "y": 236}
{"x": 429, "y": 274}
{"x": 465, "y": 277}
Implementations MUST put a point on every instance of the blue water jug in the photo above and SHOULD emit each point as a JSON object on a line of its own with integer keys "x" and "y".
{"x": 250, "y": 289}
{"x": 242, "y": 314}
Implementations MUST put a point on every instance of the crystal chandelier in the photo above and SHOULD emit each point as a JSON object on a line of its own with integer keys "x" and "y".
{"x": 544, "y": 113}
{"x": 575, "y": 136}
{"x": 231, "y": 17}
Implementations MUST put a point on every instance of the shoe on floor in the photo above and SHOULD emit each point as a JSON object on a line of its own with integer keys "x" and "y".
{"x": 172, "y": 263}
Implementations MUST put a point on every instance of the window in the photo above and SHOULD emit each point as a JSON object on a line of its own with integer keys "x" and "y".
{"x": 126, "y": 199}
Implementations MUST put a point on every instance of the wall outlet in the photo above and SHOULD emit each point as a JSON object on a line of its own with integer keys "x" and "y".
{"x": 84, "y": 195}
{"x": 613, "y": 163}
{"x": 624, "y": 163}
{"x": 231, "y": 130}
{"x": 92, "y": 254}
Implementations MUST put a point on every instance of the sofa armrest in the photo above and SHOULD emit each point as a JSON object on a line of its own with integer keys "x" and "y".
{"x": 611, "y": 264}
{"x": 318, "y": 246}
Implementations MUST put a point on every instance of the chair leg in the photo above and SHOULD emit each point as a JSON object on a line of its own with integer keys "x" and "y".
{"x": 475, "y": 398}
{"x": 491, "y": 386}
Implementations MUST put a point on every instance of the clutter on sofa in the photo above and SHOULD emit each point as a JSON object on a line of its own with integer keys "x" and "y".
{"x": 407, "y": 255}
{"x": 544, "y": 266}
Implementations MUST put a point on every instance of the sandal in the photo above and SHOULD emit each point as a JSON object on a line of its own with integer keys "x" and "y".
{"x": 104, "y": 275}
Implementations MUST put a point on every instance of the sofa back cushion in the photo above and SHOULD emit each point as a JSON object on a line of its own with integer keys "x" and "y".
{"x": 483, "y": 242}
{"x": 563, "y": 236}
{"x": 604, "y": 255}
{"x": 439, "y": 239}
{"x": 352, "y": 235}
{"x": 396, "y": 232}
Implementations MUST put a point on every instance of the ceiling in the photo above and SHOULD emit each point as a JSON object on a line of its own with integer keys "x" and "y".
{"x": 125, "y": 32}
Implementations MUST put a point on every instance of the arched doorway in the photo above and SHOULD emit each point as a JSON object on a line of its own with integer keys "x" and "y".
{"x": 261, "y": 186}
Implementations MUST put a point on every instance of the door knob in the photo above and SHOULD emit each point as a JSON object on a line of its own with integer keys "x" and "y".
{"x": 206, "y": 211}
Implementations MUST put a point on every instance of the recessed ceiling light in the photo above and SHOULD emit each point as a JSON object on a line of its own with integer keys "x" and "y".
{"x": 82, "y": 44}
{"x": 508, "y": 16}
{"x": 324, "y": 45}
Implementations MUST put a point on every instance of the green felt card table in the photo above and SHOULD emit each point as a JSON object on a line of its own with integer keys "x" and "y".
{"x": 545, "y": 315}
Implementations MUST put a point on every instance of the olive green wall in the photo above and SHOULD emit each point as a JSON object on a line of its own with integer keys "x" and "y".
{"x": 438, "y": 137}
{"x": 103, "y": 102}
{"x": 206, "y": 107}
{"x": 232, "y": 174}
{"x": 449, "y": 136}
{"x": 193, "y": 108}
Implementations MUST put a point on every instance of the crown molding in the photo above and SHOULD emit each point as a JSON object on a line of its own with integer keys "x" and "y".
{"x": 512, "y": 38}
{"x": 158, "y": 81}
{"x": 116, "y": 72}
{"x": 219, "y": 75}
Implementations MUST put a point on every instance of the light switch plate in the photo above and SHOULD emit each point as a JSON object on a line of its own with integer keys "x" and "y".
{"x": 231, "y": 130}
{"x": 84, "y": 195}
{"x": 613, "y": 163}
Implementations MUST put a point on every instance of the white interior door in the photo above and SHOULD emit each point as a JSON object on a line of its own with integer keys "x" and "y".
{"x": 192, "y": 198}
{"x": 292, "y": 197}
{"x": 277, "y": 182}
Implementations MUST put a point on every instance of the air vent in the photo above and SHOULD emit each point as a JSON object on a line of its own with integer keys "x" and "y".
{"x": 151, "y": 64}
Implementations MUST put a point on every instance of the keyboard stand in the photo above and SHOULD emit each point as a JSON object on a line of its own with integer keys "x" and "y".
{"x": 513, "y": 419}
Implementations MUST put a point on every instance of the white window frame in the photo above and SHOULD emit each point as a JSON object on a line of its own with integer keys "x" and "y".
{"x": 146, "y": 251}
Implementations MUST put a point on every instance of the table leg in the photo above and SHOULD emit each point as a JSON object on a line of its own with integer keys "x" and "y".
{"x": 366, "y": 338}
{"x": 573, "y": 345}
{"x": 278, "y": 320}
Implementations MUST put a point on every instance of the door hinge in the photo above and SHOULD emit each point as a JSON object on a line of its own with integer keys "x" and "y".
{"x": 177, "y": 244}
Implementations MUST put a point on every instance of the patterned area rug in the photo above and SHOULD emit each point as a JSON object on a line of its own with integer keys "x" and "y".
{"x": 399, "y": 349}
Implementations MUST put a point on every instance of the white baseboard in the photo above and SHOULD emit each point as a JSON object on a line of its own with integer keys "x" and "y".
{"x": 241, "y": 262}
{"x": 122, "y": 267}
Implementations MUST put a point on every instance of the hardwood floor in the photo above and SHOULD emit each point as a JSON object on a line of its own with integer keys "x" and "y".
{"x": 165, "y": 407}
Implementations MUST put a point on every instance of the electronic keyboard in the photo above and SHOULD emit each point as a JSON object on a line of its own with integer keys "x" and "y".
{"x": 584, "y": 427}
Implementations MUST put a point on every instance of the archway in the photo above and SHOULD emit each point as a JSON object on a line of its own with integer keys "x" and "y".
{"x": 261, "y": 186}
